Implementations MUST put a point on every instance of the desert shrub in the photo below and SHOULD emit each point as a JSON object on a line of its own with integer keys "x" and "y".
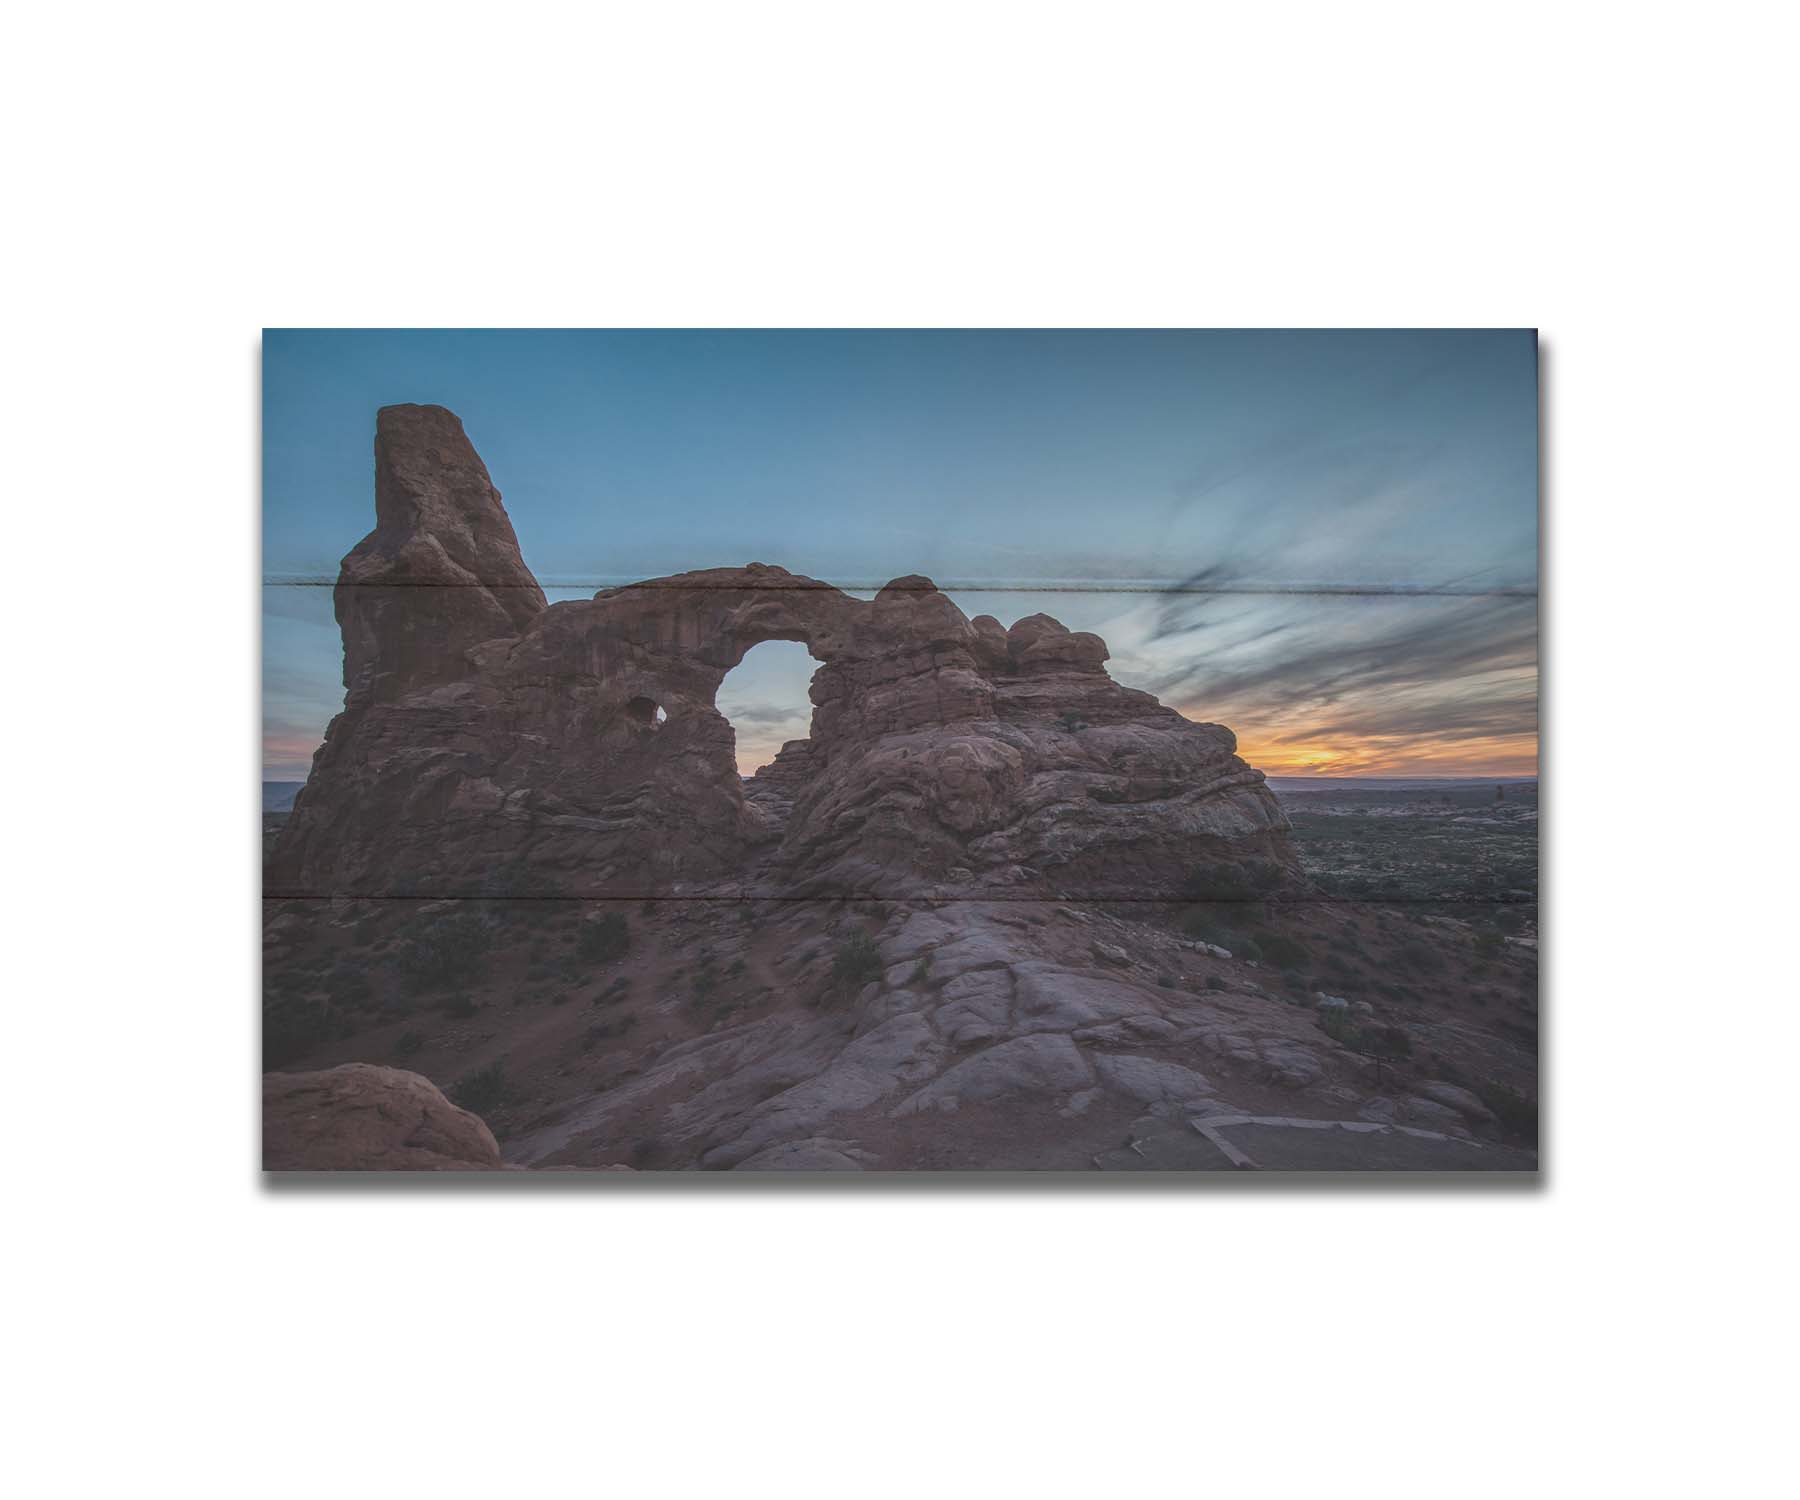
{"x": 605, "y": 938}
{"x": 600, "y": 1032}
{"x": 1213, "y": 982}
{"x": 452, "y": 947}
{"x": 922, "y": 970}
{"x": 484, "y": 1089}
{"x": 1282, "y": 951}
{"x": 1421, "y": 956}
{"x": 856, "y": 961}
{"x": 1246, "y": 879}
{"x": 407, "y": 1043}
{"x": 706, "y": 980}
{"x": 1488, "y": 944}
{"x": 1390, "y": 1041}
{"x": 516, "y": 885}
{"x": 1518, "y": 1116}
{"x": 461, "y": 1007}
{"x": 617, "y": 1026}
{"x": 1343, "y": 1026}
{"x": 1210, "y": 926}
{"x": 349, "y": 985}
{"x": 295, "y": 1024}
{"x": 1165, "y": 981}
{"x": 614, "y": 991}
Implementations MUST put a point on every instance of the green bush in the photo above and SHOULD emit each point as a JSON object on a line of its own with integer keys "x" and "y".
{"x": 295, "y": 1024}
{"x": 601, "y": 1030}
{"x": 621, "y": 983}
{"x": 1392, "y": 1042}
{"x": 1421, "y": 956}
{"x": 1518, "y": 1116}
{"x": 349, "y": 985}
{"x": 706, "y": 980}
{"x": 605, "y": 938}
{"x": 1209, "y": 926}
{"x": 452, "y": 947}
{"x": 1372, "y": 1041}
{"x": 1245, "y": 879}
{"x": 484, "y": 1089}
{"x": 614, "y": 991}
{"x": 1283, "y": 952}
{"x": 856, "y": 961}
{"x": 407, "y": 1043}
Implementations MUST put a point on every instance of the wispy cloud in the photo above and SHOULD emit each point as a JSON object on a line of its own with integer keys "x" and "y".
{"x": 762, "y": 714}
{"x": 1440, "y": 681}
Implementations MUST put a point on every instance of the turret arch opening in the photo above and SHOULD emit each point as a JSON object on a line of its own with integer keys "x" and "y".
{"x": 766, "y": 698}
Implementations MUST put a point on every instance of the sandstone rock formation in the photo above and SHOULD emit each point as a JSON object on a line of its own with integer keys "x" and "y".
{"x": 493, "y": 745}
{"x": 360, "y": 1118}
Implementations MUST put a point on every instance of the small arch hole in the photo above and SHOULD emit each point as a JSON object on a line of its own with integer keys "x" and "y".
{"x": 647, "y": 713}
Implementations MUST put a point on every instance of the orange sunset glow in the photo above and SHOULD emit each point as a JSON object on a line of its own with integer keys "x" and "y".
{"x": 1380, "y": 755}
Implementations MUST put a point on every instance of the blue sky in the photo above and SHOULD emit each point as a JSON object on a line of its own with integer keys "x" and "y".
{"x": 1218, "y": 505}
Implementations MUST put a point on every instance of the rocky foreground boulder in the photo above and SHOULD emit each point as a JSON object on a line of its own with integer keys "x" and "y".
{"x": 493, "y": 745}
{"x": 361, "y": 1118}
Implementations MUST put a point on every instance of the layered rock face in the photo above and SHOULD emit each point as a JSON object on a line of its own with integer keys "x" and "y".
{"x": 493, "y": 745}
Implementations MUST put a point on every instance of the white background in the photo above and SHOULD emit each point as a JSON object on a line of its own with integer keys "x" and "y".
{"x": 181, "y": 175}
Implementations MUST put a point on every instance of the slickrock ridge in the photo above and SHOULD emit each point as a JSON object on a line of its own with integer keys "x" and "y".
{"x": 361, "y": 1118}
{"x": 491, "y": 744}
